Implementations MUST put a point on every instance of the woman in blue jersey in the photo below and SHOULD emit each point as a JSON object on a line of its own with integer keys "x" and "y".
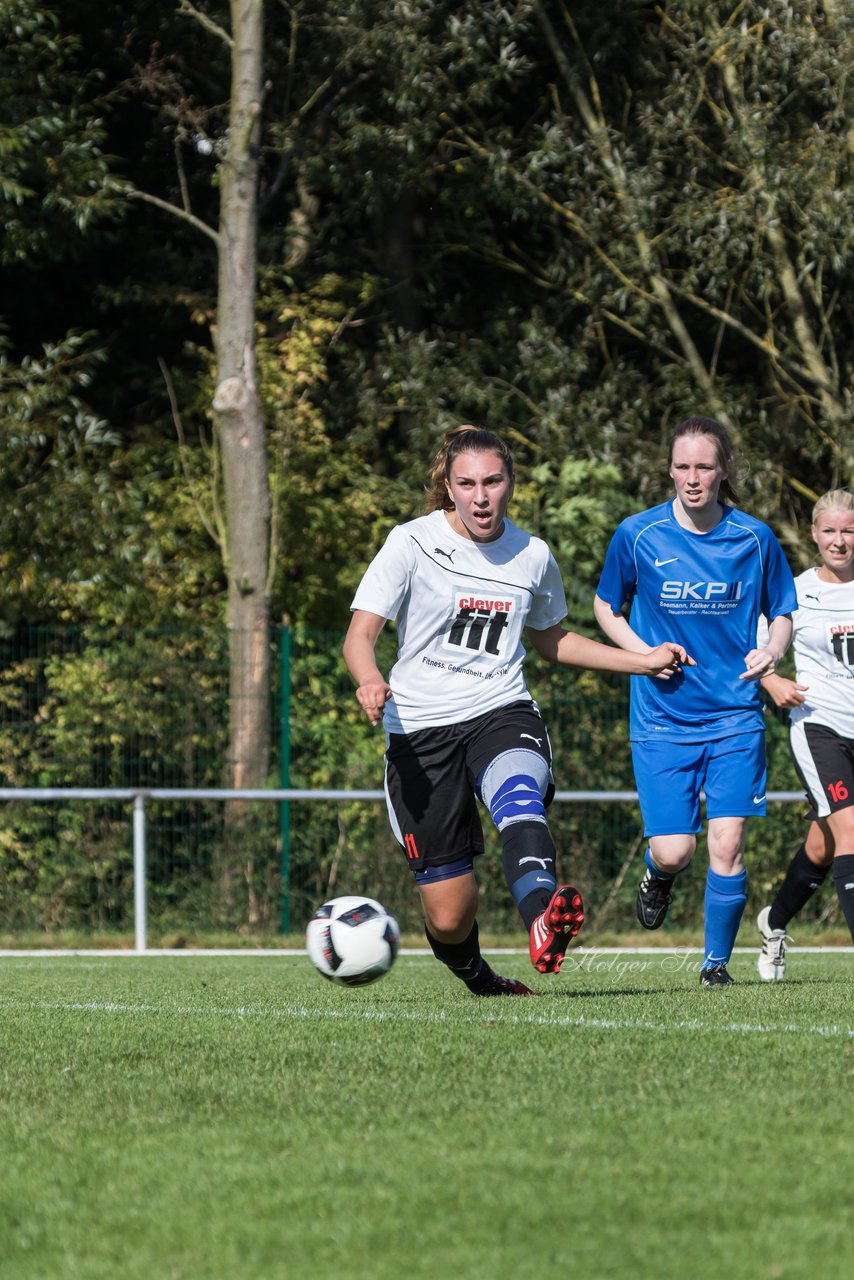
{"x": 698, "y": 570}
{"x": 820, "y": 701}
{"x": 464, "y": 585}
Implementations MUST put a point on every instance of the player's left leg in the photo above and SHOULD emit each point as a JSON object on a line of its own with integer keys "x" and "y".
{"x": 668, "y": 777}
{"x": 841, "y": 825}
{"x": 725, "y": 897}
{"x": 805, "y": 874}
{"x": 833, "y": 758}
{"x": 735, "y": 790}
{"x": 449, "y": 900}
{"x": 510, "y": 758}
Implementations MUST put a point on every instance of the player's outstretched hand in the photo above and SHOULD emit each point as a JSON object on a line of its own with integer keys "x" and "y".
{"x": 665, "y": 660}
{"x": 758, "y": 663}
{"x": 785, "y": 693}
{"x": 372, "y": 698}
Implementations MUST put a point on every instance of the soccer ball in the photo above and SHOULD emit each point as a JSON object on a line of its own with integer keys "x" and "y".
{"x": 352, "y": 940}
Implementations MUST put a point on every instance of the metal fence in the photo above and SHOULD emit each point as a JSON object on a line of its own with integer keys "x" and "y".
{"x": 142, "y": 717}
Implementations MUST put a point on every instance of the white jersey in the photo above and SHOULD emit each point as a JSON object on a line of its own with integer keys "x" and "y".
{"x": 460, "y": 608}
{"x": 823, "y": 641}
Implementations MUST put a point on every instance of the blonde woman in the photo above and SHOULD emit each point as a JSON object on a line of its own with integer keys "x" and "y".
{"x": 820, "y": 701}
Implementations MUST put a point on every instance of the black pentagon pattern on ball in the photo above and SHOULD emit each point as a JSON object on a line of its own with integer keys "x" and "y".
{"x": 358, "y": 915}
{"x": 392, "y": 939}
{"x": 330, "y": 955}
{"x": 362, "y": 979}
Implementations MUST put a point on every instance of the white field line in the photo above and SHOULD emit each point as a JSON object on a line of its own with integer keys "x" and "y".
{"x": 290, "y": 1013}
{"x": 283, "y": 953}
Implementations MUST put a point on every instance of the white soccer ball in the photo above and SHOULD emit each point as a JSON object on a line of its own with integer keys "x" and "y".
{"x": 352, "y": 940}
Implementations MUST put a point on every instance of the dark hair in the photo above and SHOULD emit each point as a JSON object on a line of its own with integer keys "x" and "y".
{"x": 465, "y": 439}
{"x": 719, "y": 438}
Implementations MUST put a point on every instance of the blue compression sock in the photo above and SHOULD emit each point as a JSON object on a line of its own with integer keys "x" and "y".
{"x": 726, "y": 898}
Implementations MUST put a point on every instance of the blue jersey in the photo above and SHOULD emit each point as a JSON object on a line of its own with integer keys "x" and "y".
{"x": 706, "y": 592}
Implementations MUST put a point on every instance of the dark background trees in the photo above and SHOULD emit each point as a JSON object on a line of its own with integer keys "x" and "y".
{"x": 575, "y": 226}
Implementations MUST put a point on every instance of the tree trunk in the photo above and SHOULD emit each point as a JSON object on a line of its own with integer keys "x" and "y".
{"x": 237, "y": 413}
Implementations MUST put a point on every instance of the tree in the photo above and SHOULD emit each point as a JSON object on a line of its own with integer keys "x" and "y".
{"x": 237, "y": 409}
{"x": 236, "y": 403}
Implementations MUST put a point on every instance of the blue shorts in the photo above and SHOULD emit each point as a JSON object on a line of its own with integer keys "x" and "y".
{"x": 670, "y": 777}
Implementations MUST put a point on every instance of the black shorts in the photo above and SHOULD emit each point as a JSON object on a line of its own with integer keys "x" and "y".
{"x": 825, "y": 764}
{"x": 431, "y": 780}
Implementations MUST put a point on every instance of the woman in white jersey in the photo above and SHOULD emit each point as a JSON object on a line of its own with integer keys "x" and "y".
{"x": 821, "y": 704}
{"x": 463, "y": 583}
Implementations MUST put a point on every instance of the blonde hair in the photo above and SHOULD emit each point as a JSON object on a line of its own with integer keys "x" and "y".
{"x": 833, "y": 500}
{"x": 719, "y": 438}
{"x": 464, "y": 439}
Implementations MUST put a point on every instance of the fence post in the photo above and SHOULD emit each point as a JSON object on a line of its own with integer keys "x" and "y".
{"x": 285, "y": 775}
{"x": 140, "y": 889}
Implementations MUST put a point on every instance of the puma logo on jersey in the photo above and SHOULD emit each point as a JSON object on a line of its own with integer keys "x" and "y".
{"x": 531, "y": 738}
{"x": 449, "y": 555}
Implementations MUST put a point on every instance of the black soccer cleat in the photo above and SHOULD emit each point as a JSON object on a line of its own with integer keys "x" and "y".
{"x": 492, "y": 984}
{"x": 653, "y": 900}
{"x": 715, "y": 976}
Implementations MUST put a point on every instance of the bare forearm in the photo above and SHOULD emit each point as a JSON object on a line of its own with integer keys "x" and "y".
{"x": 372, "y": 691}
{"x": 617, "y": 628}
{"x": 573, "y": 650}
{"x": 360, "y": 659}
{"x": 780, "y": 636}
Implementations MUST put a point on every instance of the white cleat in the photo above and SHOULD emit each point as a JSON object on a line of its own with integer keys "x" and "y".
{"x": 772, "y": 958}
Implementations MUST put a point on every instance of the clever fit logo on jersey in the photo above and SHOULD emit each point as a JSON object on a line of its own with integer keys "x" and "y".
{"x": 840, "y": 637}
{"x": 482, "y": 626}
{"x": 706, "y": 597}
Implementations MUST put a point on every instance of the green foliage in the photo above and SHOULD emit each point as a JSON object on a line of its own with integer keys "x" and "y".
{"x": 149, "y": 709}
{"x": 55, "y": 181}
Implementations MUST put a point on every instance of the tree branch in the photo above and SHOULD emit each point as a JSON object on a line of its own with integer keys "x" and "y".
{"x": 208, "y": 23}
{"x": 178, "y": 212}
{"x": 214, "y": 533}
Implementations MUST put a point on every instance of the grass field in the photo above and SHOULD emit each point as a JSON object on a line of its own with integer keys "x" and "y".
{"x": 238, "y": 1118}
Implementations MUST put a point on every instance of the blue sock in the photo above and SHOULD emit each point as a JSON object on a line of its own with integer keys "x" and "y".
{"x": 659, "y": 875}
{"x": 726, "y": 898}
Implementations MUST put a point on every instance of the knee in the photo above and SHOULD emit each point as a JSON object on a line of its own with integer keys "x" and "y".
{"x": 449, "y": 923}
{"x": 450, "y": 909}
{"x": 672, "y": 854}
{"x": 726, "y": 857}
{"x": 841, "y": 826}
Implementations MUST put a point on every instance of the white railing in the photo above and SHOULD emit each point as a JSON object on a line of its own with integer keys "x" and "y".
{"x": 139, "y": 795}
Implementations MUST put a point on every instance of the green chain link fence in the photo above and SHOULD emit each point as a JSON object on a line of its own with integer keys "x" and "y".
{"x": 149, "y": 709}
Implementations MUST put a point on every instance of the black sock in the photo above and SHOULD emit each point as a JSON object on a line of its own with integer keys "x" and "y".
{"x": 802, "y": 879}
{"x": 528, "y": 856}
{"x": 462, "y": 958}
{"x": 843, "y": 879}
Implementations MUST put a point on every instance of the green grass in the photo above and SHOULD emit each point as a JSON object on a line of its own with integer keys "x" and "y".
{"x": 238, "y": 1118}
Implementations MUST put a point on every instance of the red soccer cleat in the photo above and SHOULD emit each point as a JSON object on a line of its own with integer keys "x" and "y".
{"x": 552, "y": 932}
